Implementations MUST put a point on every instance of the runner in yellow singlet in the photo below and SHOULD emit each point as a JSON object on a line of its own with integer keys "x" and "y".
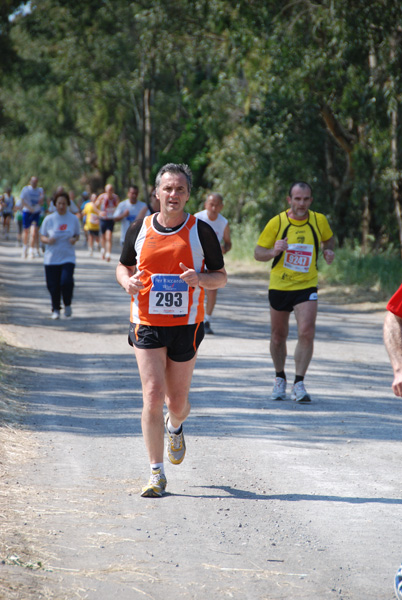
{"x": 293, "y": 240}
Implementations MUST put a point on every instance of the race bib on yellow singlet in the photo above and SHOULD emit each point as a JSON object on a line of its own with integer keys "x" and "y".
{"x": 94, "y": 219}
{"x": 168, "y": 295}
{"x": 298, "y": 257}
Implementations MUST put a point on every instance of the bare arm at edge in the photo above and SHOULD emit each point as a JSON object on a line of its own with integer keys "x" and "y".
{"x": 393, "y": 344}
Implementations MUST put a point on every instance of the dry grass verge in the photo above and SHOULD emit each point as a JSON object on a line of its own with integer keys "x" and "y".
{"x": 17, "y": 446}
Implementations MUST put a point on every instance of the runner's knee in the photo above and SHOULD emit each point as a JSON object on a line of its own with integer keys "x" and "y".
{"x": 306, "y": 332}
{"x": 154, "y": 396}
{"x": 180, "y": 408}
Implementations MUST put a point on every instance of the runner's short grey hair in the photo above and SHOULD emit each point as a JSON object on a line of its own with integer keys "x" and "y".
{"x": 177, "y": 169}
{"x": 301, "y": 184}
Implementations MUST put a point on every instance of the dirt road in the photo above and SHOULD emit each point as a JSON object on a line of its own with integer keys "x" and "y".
{"x": 273, "y": 501}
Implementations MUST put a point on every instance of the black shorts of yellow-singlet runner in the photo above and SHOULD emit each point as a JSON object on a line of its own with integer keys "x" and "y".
{"x": 181, "y": 341}
{"x": 286, "y": 301}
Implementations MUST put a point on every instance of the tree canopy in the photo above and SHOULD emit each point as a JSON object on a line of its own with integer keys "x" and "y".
{"x": 252, "y": 94}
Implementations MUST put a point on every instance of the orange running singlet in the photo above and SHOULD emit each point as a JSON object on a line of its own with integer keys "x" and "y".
{"x": 166, "y": 300}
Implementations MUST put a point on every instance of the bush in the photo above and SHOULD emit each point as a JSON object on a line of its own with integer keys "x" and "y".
{"x": 379, "y": 272}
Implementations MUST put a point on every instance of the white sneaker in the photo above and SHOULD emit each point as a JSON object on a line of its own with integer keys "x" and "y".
{"x": 279, "y": 391}
{"x": 24, "y": 252}
{"x": 299, "y": 393}
{"x": 175, "y": 446}
{"x": 68, "y": 311}
{"x": 55, "y": 315}
{"x": 102, "y": 252}
{"x": 107, "y": 256}
{"x": 156, "y": 485}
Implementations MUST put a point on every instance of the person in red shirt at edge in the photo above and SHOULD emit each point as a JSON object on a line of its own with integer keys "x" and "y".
{"x": 393, "y": 345}
{"x": 168, "y": 259}
{"x": 393, "y": 338}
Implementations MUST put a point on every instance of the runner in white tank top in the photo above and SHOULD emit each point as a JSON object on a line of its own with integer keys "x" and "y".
{"x": 211, "y": 215}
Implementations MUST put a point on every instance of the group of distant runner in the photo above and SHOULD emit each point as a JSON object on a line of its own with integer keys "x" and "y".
{"x": 97, "y": 213}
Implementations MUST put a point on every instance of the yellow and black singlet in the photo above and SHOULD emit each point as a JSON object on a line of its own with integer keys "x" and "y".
{"x": 296, "y": 268}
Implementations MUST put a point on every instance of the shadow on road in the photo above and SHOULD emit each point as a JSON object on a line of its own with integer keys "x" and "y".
{"x": 99, "y": 393}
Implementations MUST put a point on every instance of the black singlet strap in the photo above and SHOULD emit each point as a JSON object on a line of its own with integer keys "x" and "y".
{"x": 278, "y": 257}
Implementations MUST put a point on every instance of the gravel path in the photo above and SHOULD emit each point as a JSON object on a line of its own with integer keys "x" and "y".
{"x": 273, "y": 501}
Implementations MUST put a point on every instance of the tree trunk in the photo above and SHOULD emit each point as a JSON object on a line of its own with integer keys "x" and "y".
{"x": 342, "y": 185}
{"x": 396, "y": 182}
{"x": 365, "y": 224}
{"x": 146, "y": 169}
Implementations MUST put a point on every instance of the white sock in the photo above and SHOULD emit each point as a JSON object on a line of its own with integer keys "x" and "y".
{"x": 208, "y": 318}
{"x": 156, "y": 466}
{"x": 173, "y": 429}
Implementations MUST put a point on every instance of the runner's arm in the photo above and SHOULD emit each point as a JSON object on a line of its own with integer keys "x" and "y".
{"x": 227, "y": 242}
{"x": 214, "y": 276}
{"x": 393, "y": 344}
{"x": 26, "y": 204}
{"x": 327, "y": 248}
{"x": 129, "y": 278}
{"x": 126, "y": 271}
{"x": 143, "y": 213}
{"x": 211, "y": 280}
{"x": 265, "y": 254}
{"x": 46, "y": 239}
{"x": 98, "y": 202}
{"x": 119, "y": 215}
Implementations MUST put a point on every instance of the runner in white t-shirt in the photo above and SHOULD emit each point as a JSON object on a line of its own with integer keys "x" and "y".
{"x": 130, "y": 210}
{"x": 59, "y": 232}
{"x": 211, "y": 215}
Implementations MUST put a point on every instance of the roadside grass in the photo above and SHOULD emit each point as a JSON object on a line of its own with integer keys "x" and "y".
{"x": 380, "y": 274}
{"x": 357, "y": 277}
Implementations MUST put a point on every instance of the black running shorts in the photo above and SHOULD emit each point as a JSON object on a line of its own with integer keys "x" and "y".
{"x": 106, "y": 225}
{"x": 181, "y": 341}
{"x": 286, "y": 301}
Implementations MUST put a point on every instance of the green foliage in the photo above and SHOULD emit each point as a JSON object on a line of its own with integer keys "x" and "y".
{"x": 252, "y": 95}
{"x": 244, "y": 239}
{"x": 378, "y": 272}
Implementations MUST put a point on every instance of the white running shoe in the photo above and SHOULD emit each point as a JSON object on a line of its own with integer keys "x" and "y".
{"x": 299, "y": 393}
{"x": 156, "y": 485}
{"x": 175, "y": 446}
{"x": 279, "y": 391}
{"x": 55, "y": 315}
